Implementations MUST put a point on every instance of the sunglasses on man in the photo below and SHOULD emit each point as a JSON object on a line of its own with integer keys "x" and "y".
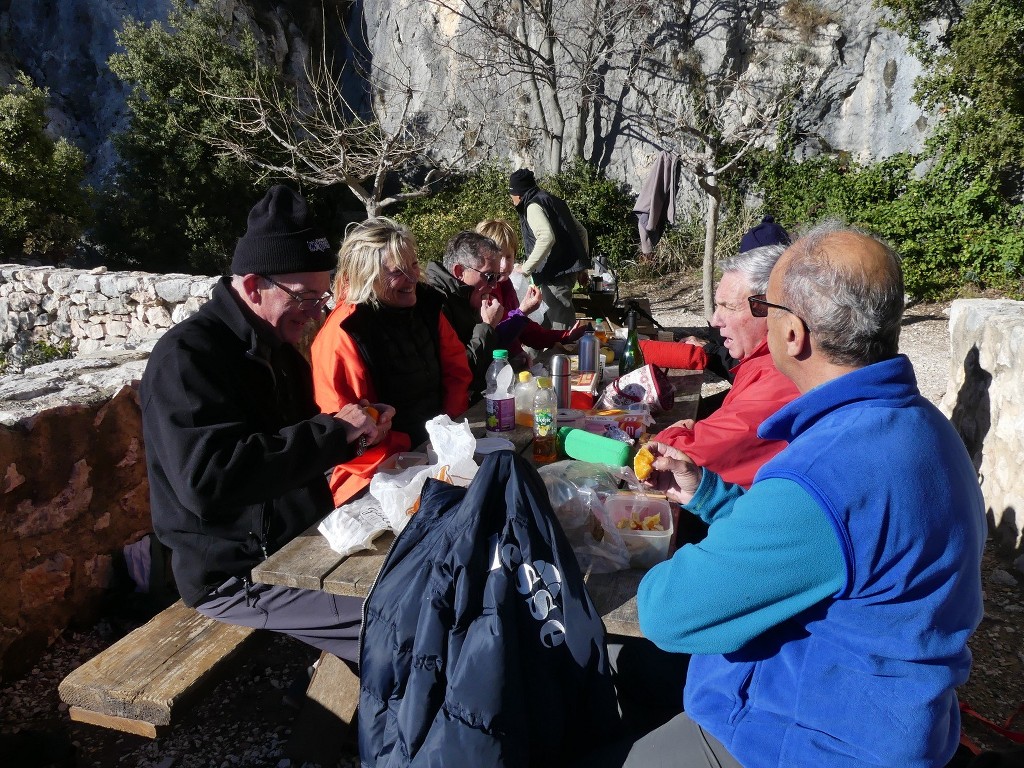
{"x": 491, "y": 278}
{"x": 759, "y": 308}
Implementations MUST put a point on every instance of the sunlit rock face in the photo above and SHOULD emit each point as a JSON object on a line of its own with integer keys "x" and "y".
{"x": 985, "y": 401}
{"x": 856, "y": 77}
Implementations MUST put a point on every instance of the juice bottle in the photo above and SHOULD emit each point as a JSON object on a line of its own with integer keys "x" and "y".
{"x": 525, "y": 391}
{"x": 545, "y": 406}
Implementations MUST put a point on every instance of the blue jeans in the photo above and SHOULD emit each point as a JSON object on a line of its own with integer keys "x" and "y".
{"x": 322, "y": 620}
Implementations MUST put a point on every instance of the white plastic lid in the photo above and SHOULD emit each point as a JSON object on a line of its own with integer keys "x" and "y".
{"x": 485, "y": 445}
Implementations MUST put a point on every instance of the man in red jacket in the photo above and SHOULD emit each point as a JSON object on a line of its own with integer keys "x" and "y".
{"x": 726, "y": 442}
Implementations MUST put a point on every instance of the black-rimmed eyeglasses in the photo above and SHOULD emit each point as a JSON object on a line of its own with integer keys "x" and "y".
{"x": 759, "y": 308}
{"x": 305, "y": 302}
{"x": 491, "y": 278}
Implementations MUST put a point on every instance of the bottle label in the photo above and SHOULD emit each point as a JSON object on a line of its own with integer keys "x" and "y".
{"x": 501, "y": 414}
{"x": 543, "y": 422}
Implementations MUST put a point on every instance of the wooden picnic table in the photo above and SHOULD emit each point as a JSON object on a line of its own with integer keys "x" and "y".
{"x": 309, "y": 562}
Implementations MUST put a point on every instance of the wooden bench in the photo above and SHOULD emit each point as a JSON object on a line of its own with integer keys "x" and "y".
{"x": 136, "y": 684}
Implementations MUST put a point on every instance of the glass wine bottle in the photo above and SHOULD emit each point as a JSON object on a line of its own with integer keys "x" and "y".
{"x": 632, "y": 357}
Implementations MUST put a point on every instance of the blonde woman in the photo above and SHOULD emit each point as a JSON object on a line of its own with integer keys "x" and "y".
{"x": 386, "y": 341}
{"x": 516, "y": 329}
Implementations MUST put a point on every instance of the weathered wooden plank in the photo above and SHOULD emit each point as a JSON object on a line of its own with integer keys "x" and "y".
{"x": 145, "y": 674}
{"x": 354, "y": 576}
{"x": 328, "y": 716}
{"x": 614, "y": 596}
{"x": 303, "y": 562}
{"x": 138, "y": 727}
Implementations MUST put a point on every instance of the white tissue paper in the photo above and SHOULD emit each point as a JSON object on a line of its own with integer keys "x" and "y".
{"x": 394, "y": 497}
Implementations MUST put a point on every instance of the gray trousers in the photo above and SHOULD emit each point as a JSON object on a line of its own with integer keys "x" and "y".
{"x": 649, "y": 684}
{"x": 557, "y": 294}
{"x": 679, "y": 743}
{"x": 322, "y": 620}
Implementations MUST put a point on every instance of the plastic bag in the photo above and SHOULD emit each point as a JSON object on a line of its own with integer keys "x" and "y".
{"x": 521, "y": 283}
{"x": 399, "y": 493}
{"x": 353, "y": 527}
{"x": 394, "y": 496}
{"x": 577, "y": 491}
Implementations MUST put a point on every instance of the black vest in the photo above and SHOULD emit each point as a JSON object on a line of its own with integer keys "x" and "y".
{"x": 568, "y": 254}
{"x": 401, "y": 348}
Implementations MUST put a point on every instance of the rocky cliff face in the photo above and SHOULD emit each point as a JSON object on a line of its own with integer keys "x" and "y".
{"x": 856, "y": 77}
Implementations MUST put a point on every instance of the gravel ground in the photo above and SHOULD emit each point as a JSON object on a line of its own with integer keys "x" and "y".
{"x": 244, "y": 722}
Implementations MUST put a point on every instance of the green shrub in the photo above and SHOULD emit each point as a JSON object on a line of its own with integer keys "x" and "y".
{"x": 44, "y": 204}
{"x": 603, "y": 206}
{"x": 39, "y": 352}
{"x": 951, "y": 225}
{"x": 459, "y": 204}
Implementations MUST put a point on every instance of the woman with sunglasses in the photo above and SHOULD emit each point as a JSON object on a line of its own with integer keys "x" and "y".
{"x": 387, "y": 340}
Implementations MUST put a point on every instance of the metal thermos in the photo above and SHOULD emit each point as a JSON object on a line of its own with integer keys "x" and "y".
{"x": 560, "y": 379}
{"x": 590, "y": 352}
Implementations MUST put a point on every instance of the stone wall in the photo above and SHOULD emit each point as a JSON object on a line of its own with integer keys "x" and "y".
{"x": 94, "y": 309}
{"x": 73, "y": 486}
{"x": 985, "y": 401}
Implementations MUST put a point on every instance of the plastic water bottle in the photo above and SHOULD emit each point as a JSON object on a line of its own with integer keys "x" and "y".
{"x": 499, "y": 396}
{"x": 524, "y": 393}
{"x": 545, "y": 407}
{"x": 589, "y": 352}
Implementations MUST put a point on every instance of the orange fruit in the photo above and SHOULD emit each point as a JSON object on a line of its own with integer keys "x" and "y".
{"x": 372, "y": 412}
{"x": 643, "y": 463}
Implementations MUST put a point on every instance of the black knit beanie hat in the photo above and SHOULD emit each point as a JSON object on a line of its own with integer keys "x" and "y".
{"x": 765, "y": 233}
{"x": 280, "y": 239}
{"x": 521, "y": 181}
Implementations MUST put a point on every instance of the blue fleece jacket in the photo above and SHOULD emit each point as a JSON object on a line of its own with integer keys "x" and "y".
{"x": 864, "y": 675}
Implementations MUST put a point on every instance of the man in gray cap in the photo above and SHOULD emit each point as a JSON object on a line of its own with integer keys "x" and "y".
{"x": 236, "y": 447}
{"x": 555, "y": 244}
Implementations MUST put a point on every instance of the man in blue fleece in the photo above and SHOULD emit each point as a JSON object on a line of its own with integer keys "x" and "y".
{"x": 829, "y": 607}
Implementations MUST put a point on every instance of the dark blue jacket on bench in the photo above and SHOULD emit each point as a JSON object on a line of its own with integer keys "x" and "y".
{"x": 481, "y": 645}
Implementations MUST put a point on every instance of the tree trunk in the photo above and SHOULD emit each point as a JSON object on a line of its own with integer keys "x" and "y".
{"x": 709, "y": 183}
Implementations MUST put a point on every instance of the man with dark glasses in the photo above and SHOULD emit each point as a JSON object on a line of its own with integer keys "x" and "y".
{"x": 467, "y": 280}
{"x": 829, "y": 608}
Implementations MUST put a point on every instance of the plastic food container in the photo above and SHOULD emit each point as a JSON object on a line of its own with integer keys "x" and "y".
{"x": 487, "y": 445}
{"x": 646, "y": 548}
{"x": 397, "y": 462}
{"x": 570, "y": 417}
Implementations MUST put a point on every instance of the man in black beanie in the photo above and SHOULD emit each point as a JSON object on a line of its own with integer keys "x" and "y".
{"x": 236, "y": 447}
{"x": 555, "y": 244}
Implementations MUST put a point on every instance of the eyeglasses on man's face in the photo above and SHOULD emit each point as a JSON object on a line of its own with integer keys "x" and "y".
{"x": 305, "y": 303}
{"x": 759, "y": 308}
{"x": 491, "y": 278}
